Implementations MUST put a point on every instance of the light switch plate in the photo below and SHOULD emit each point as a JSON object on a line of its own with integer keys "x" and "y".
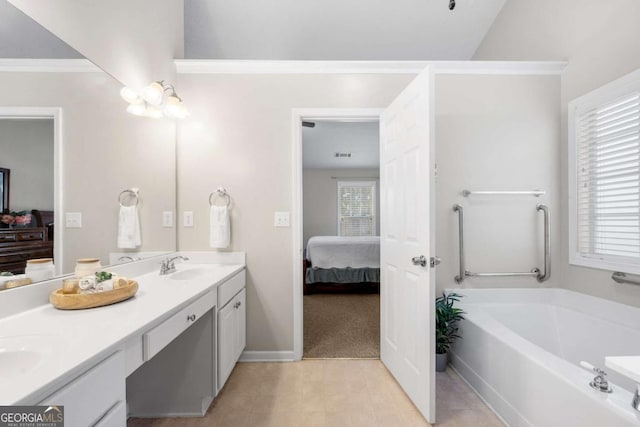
{"x": 73, "y": 219}
{"x": 167, "y": 219}
{"x": 281, "y": 219}
{"x": 187, "y": 219}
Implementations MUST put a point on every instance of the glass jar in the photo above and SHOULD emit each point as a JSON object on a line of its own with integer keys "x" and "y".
{"x": 87, "y": 267}
{"x": 40, "y": 269}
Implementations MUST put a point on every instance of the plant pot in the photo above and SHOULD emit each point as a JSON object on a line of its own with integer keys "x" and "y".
{"x": 441, "y": 361}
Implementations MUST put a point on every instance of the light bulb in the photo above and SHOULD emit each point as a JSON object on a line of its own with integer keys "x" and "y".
{"x": 153, "y": 93}
{"x": 153, "y": 112}
{"x": 130, "y": 95}
{"x": 137, "y": 109}
{"x": 173, "y": 106}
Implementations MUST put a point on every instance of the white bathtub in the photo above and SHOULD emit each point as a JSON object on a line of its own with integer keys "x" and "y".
{"x": 520, "y": 350}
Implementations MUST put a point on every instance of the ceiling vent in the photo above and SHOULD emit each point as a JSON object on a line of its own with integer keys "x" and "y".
{"x": 342, "y": 155}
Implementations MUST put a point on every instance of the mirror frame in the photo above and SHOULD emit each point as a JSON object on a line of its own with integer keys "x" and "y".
{"x": 6, "y": 185}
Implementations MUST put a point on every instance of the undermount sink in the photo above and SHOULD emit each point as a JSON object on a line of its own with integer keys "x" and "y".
{"x": 21, "y": 354}
{"x": 192, "y": 273}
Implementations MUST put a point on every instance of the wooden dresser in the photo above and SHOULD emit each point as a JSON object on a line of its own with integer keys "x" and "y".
{"x": 17, "y": 245}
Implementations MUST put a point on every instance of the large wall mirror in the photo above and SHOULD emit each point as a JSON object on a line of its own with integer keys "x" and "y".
{"x": 80, "y": 178}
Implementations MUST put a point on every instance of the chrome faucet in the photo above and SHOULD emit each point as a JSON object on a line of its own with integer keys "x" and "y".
{"x": 126, "y": 258}
{"x": 600, "y": 382}
{"x": 168, "y": 265}
{"x": 636, "y": 399}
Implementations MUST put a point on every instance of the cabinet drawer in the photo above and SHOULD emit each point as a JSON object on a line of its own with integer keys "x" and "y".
{"x": 6, "y": 238}
{"x": 157, "y": 338}
{"x": 89, "y": 397}
{"x": 30, "y": 236}
{"x": 230, "y": 288}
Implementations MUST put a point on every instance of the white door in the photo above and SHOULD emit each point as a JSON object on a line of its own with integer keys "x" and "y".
{"x": 407, "y": 290}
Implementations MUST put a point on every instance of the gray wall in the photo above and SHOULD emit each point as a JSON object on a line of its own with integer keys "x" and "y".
{"x": 27, "y": 149}
{"x": 320, "y": 207}
{"x": 600, "y": 41}
{"x": 22, "y": 37}
{"x": 496, "y": 133}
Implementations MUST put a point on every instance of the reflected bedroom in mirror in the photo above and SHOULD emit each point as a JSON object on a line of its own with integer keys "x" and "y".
{"x": 106, "y": 201}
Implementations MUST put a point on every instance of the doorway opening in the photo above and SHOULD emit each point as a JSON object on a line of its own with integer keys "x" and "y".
{"x": 341, "y": 238}
{"x": 31, "y": 184}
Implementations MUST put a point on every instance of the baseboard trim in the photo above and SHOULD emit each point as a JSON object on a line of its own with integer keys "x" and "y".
{"x": 267, "y": 356}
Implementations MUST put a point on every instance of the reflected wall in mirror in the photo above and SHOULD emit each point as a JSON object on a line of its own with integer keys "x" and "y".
{"x": 94, "y": 152}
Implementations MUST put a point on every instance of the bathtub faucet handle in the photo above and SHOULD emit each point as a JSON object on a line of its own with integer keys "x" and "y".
{"x": 600, "y": 382}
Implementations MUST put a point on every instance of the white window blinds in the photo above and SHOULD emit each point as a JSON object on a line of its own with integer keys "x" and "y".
{"x": 607, "y": 206}
{"x": 356, "y": 208}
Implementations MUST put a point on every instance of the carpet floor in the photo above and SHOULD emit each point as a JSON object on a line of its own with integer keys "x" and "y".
{"x": 342, "y": 326}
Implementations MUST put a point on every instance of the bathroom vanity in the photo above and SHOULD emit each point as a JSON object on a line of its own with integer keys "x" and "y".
{"x": 165, "y": 352}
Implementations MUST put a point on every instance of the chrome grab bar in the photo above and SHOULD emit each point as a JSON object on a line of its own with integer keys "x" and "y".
{"x": 620, "y": 277}
{"x": 460, "y": 277}
{"x": 547, "y": 243}
{"x": 535, "y": 272}
{"x": 535, "y": 193}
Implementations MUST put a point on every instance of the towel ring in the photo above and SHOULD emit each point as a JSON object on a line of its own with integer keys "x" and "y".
{"x": 131, "y": 193}
{"x": 220, "y": 192}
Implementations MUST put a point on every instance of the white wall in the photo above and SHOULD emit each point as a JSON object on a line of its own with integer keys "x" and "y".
{"x": 240, "y": 136}
{"x": 336, "y": 29}
{"x": 134, "y": 41}
{"x": 105, "y": 150}
{"x": 600, "y": 41}
{"x": 27, "y": 149}
{"x": 320, "y": 207}
{"x": 496, "y": 133}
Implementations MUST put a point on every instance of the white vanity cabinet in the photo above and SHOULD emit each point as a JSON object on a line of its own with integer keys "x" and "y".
{"x": 232, "y": 321}
{"x": 96, "y": 397}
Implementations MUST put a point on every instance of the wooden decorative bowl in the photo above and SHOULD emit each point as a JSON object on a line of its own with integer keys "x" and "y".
{"x": 98, "y": 299}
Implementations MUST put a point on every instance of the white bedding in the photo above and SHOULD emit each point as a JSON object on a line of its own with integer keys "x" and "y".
{"x": 343, "y": 252}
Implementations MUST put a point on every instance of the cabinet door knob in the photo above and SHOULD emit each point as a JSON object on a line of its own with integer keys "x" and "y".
{"x": 191, "y": 317}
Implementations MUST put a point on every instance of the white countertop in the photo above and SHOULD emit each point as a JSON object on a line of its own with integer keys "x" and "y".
{"x": 629, "y": 366}
{"x": 69, "y": 342}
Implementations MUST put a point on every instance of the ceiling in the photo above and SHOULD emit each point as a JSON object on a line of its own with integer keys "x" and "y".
{"x": 361, "y": 139}
{"x": 298, "y": 30}
{"x": 337, "y": 29}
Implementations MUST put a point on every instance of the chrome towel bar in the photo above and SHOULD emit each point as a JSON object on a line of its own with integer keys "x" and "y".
{"x": 535, "y": 193}
{"x": 535, "y": 272}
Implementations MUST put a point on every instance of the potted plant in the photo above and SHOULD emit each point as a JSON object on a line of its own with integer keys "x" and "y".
{"x": 447, "y": 318}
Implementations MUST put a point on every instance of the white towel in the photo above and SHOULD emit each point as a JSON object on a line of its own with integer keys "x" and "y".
{"x": 129, "y": 228}
{"x": 219, "y": 227}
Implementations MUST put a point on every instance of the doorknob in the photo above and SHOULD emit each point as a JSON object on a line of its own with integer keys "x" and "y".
{"x": 434, "y": 260}
{"x": 419, "y": 260}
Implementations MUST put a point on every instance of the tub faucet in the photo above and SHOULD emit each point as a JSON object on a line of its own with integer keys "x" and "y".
{"x": 636, "y": 399}
{"x": 168, "y": 265}
{"x": 600, "y": 382}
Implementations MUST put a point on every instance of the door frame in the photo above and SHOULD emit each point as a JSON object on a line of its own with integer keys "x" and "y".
{"x": 297, "y": 116}
{"x": 54, "y": 113}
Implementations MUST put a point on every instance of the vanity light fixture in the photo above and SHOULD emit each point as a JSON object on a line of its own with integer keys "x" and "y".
{"x": 153, "y": 103}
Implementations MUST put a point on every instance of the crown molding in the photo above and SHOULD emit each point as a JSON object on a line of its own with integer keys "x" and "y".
{"x": 208, "y": 66}
{"x": 20, "y": 65}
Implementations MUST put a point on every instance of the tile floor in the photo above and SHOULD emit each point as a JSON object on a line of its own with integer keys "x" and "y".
{"x": 329, "y": 393}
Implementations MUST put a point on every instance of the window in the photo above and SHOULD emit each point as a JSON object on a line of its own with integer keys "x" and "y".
{"x": 356, "y": 208}
{"x": 605, "y": 177}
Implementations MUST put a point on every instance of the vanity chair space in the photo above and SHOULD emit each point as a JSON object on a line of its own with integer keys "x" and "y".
{"x": 166, "y": 352}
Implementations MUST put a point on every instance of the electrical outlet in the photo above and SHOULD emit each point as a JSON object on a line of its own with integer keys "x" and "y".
{"x": 187, "y": 219}
{"x": 167, "y": 219}
{"x": 281, "y": 219}
{"x": 73, "y": 219}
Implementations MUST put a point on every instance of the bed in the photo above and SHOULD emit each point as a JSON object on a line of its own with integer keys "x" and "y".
{"x": 342, "y": 264}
